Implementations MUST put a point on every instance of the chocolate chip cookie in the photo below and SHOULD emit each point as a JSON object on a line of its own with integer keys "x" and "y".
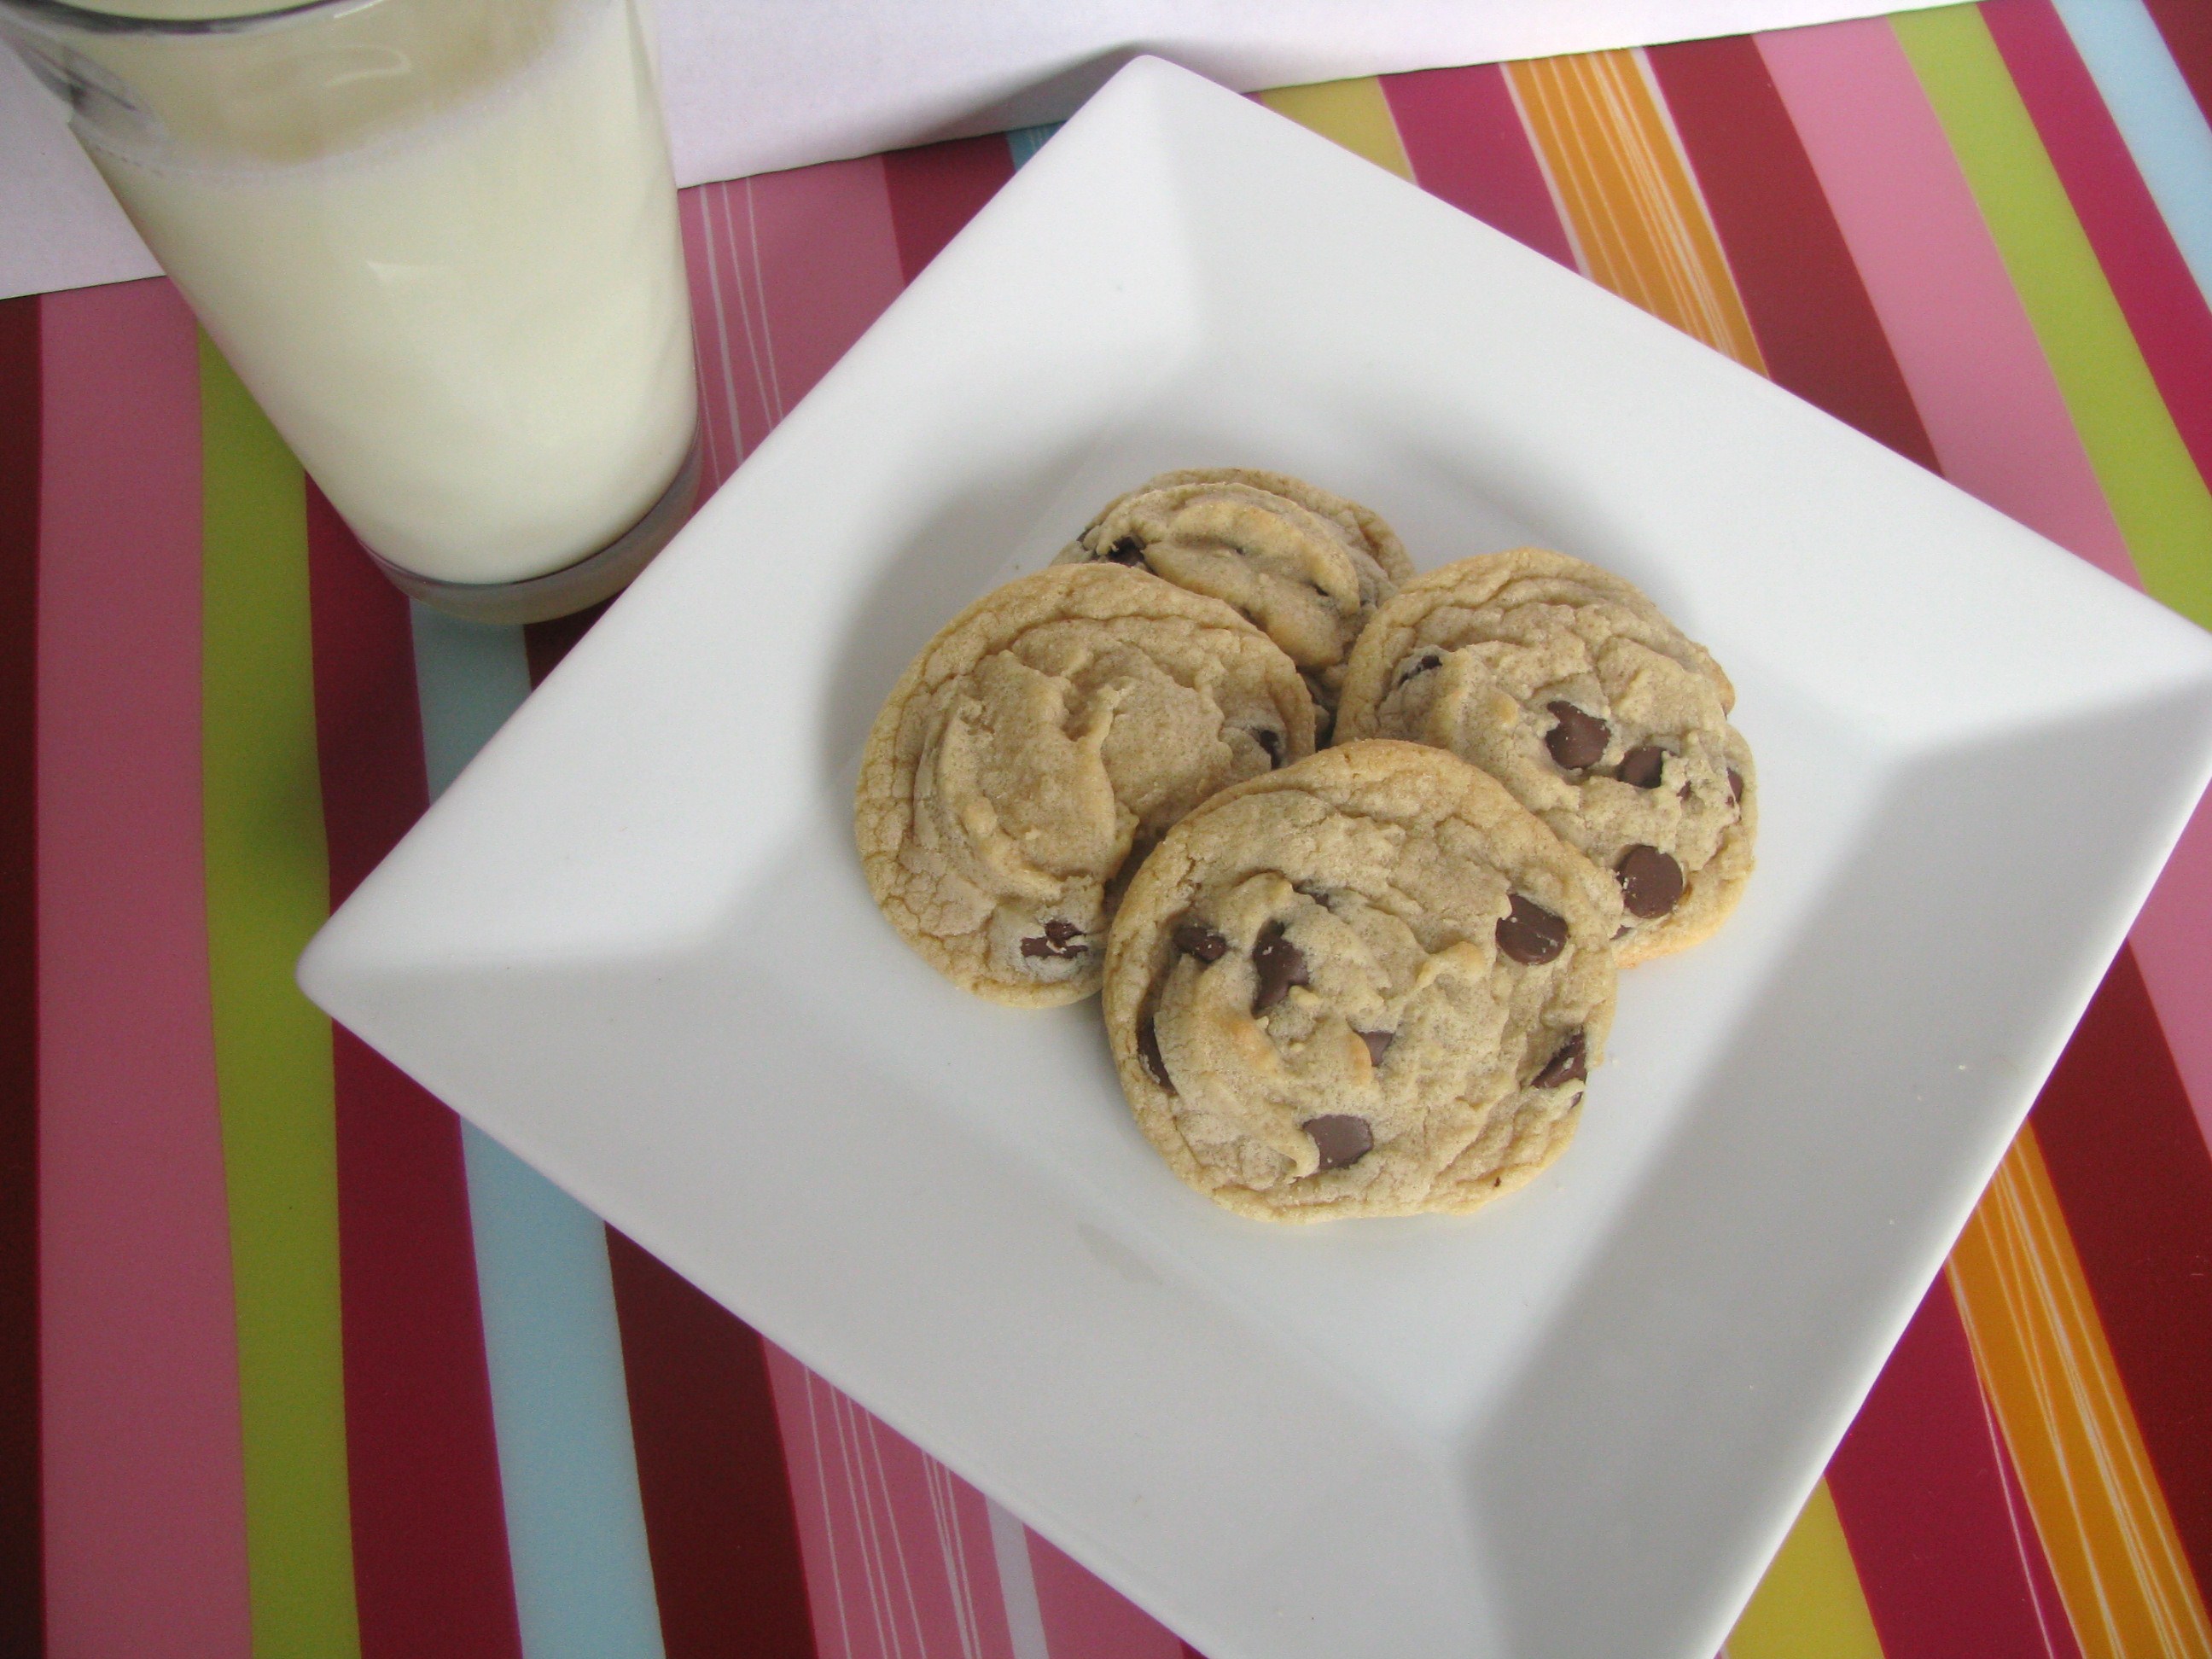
{"x": 1567, "y": 685}
{"x": 1308, "y": 566}
{"x": 1042, "y": 741}
{"x": 1370, "y": 983}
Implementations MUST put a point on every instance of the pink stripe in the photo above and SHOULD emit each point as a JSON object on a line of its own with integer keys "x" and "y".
{"x": 1464, "y": 139}
{"x": 718, "y": 436}
{"x": 2164, "y": 307}
{"x": 897, "y": 1549}
{"x": 2166, "y": 312}
{"x": 788, "y": 270}
{"x": 2175, "y": 951}
{"x": 1962, "y": 339}
{"x": 1084, "y": 1619}
{"x": 145, "y": 1483}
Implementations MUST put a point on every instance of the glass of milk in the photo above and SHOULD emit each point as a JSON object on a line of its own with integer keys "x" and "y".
{"x": 437, "y": 240}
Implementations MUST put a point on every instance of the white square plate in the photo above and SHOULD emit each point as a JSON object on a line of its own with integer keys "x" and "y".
{"x": 633, "y": 942}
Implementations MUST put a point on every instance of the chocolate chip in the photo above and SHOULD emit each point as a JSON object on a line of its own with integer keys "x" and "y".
{"x": 1060, "y": 939}
{"x": 1568, "y": 1064}
{"x": 1529, "y": 933}
{"x": 1280, "y": 964}
{"x": 1651, "y": 882}
{"x": 1422, "y": 664}
{"x": 1579, "y": 739}
{"x": 1341, "y": 1138}
{"x": 1148, "y": 1045}
{"x": 1271, "y": 741}
{"x": 1683, "y": 794}
{"x": 1128, "y": 550}
{"x": 1378, "y": 1044}
{"x": 1642, "y": 766}
{"x": 1196, "y": 938}
{"x": 1736, "y": 785}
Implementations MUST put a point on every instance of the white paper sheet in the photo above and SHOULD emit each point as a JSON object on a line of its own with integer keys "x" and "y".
{"x": 756, "y": 85}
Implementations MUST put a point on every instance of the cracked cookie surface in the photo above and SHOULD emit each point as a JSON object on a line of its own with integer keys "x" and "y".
{"x": 1569, "y": 686}
{"x": 1306, "y": 566}
{"x": 1369, "y": 984}
{"x": 1042, "y": 741}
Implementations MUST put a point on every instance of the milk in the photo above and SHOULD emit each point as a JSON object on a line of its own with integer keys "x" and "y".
{"x": 470, "y": 323}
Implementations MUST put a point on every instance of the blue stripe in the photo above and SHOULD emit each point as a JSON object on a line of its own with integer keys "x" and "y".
{"x": 576, "y": 1524}
{"x": 1026, "y": 142}
{"x": 2151, "y": 103}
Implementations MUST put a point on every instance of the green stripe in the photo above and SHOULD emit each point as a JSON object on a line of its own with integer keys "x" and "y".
{"x": 268, "y": 889}
{"x": 2155, "y": 491}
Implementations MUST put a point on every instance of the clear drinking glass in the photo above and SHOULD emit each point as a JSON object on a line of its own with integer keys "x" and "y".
{"x": 437, "y": 240}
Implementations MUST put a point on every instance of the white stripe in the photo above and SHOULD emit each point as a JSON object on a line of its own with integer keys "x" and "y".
{"x": 828, "y": 1521}
{"x": 1010, "y": 1547}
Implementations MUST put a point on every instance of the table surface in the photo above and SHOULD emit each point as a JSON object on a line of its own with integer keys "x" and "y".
{"x": 294, "y": 1362}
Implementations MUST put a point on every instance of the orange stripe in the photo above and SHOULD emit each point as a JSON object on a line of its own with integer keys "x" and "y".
{"x": 1630, "y": 201}
{"x": 2051, "y": 1379}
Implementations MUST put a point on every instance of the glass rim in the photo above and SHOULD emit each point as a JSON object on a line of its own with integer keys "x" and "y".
{"x": 89, "y": 22}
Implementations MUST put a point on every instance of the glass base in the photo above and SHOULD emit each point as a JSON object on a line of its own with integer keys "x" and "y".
{"x": 573, "y": 587}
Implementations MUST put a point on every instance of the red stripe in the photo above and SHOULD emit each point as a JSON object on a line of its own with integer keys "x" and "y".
{"x": 2151, "y": 280}
{"x": 22, "y": 1599}
{"x": 938, "y": 189}
{"x": 710, "y": 1470}
{"x": 431, "y": 1573}
{"x": 2132, "y": 1174}
{"x": 1463, "y": 135}
{"x": 1816, "y": 327}
{"x": 545, "y": 643}
{"x": 1086, "y": 1618}
{"x": 2187, "y": 27}
{"x": 1946, "y": 1552}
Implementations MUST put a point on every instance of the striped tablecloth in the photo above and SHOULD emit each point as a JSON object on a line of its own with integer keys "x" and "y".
{"x": 292, "y": 1362}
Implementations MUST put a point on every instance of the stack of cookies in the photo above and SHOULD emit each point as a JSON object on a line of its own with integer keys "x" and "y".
{"x": 1371, "y": 980}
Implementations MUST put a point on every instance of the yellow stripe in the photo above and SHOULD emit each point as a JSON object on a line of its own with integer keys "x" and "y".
{"x": 1353, "y": 113}
{"x": 267, "y": 888}
{"x": 1809, "y": 1605}
{"x": 2058, "y": 1397}
{"x": 1627, "y": 192}
{"x": 2159, "y": 498}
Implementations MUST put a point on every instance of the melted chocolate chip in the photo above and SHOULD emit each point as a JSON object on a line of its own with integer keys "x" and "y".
{"x": 1341, "y": 1138}
{"x": 1736, "y": 785}
{"x": 1422, "y": 664}
{"x": 1642, "y": 766}
{"x": 1148, "y": 1046}
{"x": 1651, "y": 882}
{"x": 1531, "y": 934}
{"x": 1378, "y": 1044}
{"x": 1060, "y": 939}
{"x": 1280, "y": 964}
{"x": 1683, "y": 794}
{"x": 1128, "y": 550}
{"x": 1196, "y": 938}
{"x": 1569, "y": 1064}
{"x": 1271, "y": 741}
{"x": 1579, "y": 739}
